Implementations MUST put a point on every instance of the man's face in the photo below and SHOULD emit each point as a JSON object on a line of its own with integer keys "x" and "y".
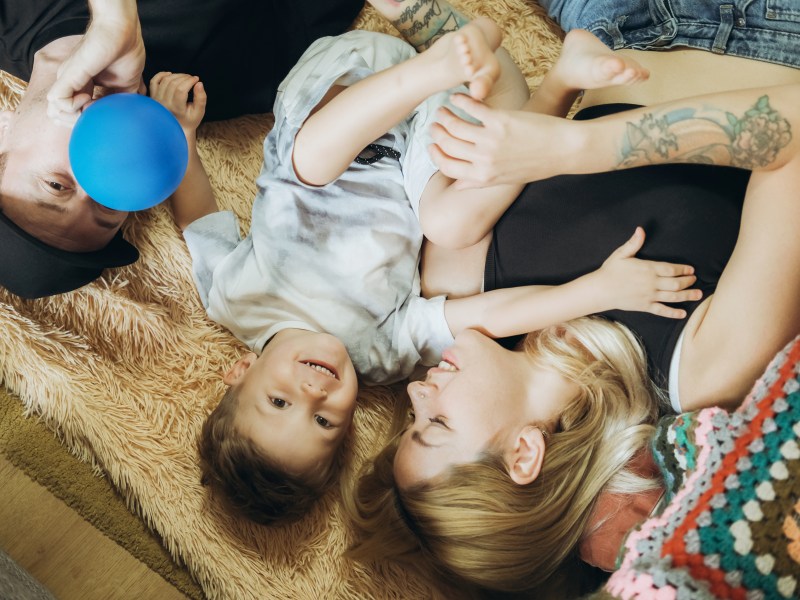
{"x": 38, "y": 190}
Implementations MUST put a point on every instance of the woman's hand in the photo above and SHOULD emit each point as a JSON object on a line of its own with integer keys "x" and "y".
{"x": 172, "y": 90}
{"x": 629, "y": 283}
{"x": 508, "y": 147}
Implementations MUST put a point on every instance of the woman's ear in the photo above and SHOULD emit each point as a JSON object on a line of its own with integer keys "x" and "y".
{"x": 236, "y": 373}
{"x": 525, "y": 461}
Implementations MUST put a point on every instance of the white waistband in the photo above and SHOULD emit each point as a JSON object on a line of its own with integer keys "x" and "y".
{"x": 674, "y": 367}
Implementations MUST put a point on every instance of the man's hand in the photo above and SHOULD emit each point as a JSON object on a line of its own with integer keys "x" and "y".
{"x": 507, "y": 147}
{"x": 629, "y": 283}
{"x": 172, "y": 90}
{"x": 111, "y": 54}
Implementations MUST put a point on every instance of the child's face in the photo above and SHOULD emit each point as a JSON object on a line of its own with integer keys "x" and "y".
{"x": 296, "y": 400}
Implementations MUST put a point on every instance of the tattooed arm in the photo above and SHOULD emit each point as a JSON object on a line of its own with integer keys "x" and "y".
{"x": 752, "y": 129}
{"x": 421, "y": 22}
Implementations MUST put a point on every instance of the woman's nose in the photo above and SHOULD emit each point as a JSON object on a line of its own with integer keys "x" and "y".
{"x": 419, "y": 392}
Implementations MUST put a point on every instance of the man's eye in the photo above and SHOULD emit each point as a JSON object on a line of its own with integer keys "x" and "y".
{"x": 56, "y": 186}
{"x": 278, "y": 402}
{"x": 322, "y": 422}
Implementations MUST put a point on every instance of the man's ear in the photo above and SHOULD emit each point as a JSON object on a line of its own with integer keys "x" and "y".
{"x": 527, "y": 455}
{"x": 237, "y": 372}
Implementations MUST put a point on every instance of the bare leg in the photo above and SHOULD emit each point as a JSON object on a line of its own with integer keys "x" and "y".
{"x": 454, "y": 266}
{"x": 585, "y": 63}
{"x": 365, "y": 111}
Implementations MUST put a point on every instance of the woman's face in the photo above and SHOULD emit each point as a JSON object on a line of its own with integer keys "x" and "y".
{"x": 479, "y": 397}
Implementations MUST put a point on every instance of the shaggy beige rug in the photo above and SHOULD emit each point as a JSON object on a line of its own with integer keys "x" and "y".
{"x": 126, "y": 370}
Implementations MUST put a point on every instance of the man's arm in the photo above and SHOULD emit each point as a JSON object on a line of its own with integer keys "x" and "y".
{"x": 622, "y": 282}
{"x": 110, "y": 54}
{"x": 421, "y": 22}
{"x": 751, "y": 129}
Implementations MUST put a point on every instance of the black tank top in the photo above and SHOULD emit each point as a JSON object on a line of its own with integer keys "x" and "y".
{"x": 564, "y": 227}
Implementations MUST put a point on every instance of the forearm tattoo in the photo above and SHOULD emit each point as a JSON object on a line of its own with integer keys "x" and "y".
{"x": 422, "y": 22}
{"x": 707, "y": 136}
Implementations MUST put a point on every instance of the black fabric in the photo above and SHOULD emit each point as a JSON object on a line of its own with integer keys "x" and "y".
{"x": 561, "y": 228}
{"x": 241, "y": 49}
{"x": 32, "y": 269}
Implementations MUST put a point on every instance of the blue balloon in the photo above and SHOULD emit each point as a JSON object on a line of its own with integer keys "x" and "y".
{"x": 128, "y": 152}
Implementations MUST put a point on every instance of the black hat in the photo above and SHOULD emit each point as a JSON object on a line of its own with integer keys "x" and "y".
{"x": 31, "y": 269}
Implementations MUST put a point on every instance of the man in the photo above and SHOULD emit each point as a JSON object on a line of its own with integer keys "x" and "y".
{"x": 53, "y": 237}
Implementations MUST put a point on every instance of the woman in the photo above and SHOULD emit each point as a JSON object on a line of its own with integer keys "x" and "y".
{"x": 468, "y": 515}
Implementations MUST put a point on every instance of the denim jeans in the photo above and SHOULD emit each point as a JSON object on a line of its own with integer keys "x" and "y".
{"x": 767, "y": 30}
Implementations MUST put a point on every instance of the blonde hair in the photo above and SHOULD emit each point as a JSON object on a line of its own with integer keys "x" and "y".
{"x": 249, "y": 483}
{"x": 475, "y": 522}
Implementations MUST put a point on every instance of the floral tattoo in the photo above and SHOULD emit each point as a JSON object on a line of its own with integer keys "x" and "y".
{"x": 707, "y": 136}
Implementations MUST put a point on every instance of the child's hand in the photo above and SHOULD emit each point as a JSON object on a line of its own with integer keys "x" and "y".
{"x": 172, "y": 90}
{"x": 634, "y": 284}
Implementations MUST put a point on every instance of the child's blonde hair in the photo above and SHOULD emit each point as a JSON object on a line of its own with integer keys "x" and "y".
{"x": 475, "y": 522}
{"x": 249, "y": 483}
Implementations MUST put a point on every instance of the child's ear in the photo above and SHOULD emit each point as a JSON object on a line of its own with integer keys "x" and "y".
{"x": 527, "y": 455}
{"x": 236, "y": 373}
{"x": 5, "y": 124}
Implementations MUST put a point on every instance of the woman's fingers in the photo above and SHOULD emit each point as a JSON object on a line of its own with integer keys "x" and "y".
{"x": 475, "y": 109}
{"x": 457, "y": 127}
{"x": 452, "y": 167}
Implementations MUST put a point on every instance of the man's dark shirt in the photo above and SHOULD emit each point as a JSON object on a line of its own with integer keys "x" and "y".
{"x": 241, "y": 49}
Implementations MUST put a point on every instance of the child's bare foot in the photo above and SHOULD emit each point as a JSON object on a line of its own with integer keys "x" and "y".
{"x": 586, "y": 63}
{"x": 469, "y": 55}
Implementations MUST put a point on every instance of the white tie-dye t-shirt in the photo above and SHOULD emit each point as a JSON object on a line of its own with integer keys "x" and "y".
{"x": 342, "y": 258}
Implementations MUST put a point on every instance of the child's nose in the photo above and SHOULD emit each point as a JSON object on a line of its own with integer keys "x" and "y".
{"x": 313, "y": 391}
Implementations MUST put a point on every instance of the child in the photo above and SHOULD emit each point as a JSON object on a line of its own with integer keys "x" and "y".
{"x": 326, "y": 284}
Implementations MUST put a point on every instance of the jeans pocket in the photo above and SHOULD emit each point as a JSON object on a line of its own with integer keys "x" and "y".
{"x": 783, "y": 10}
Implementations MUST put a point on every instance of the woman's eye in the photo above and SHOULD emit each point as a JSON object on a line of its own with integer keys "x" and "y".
{"x": 438, "y": 421}
{"x": 411, "y": 415}
{"x": 322, "y": 422}
{"x": 278, "y": 402}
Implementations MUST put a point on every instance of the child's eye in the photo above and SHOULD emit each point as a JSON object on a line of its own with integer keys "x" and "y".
{"x": 278, "y": 402}
{"x": 322, "y": 422}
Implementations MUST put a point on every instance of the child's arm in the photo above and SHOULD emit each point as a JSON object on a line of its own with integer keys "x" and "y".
{"x": 622, "y": 282}
{"x": 194, "y": 198}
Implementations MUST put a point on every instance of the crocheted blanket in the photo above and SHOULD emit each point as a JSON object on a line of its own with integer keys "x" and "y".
{"x": 731, "y": 525}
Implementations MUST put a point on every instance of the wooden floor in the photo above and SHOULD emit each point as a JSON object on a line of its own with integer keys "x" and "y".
{"x": 65, "y": 553}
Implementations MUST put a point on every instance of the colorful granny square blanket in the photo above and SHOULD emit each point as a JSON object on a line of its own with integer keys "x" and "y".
{"x": 731, "y": 526}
